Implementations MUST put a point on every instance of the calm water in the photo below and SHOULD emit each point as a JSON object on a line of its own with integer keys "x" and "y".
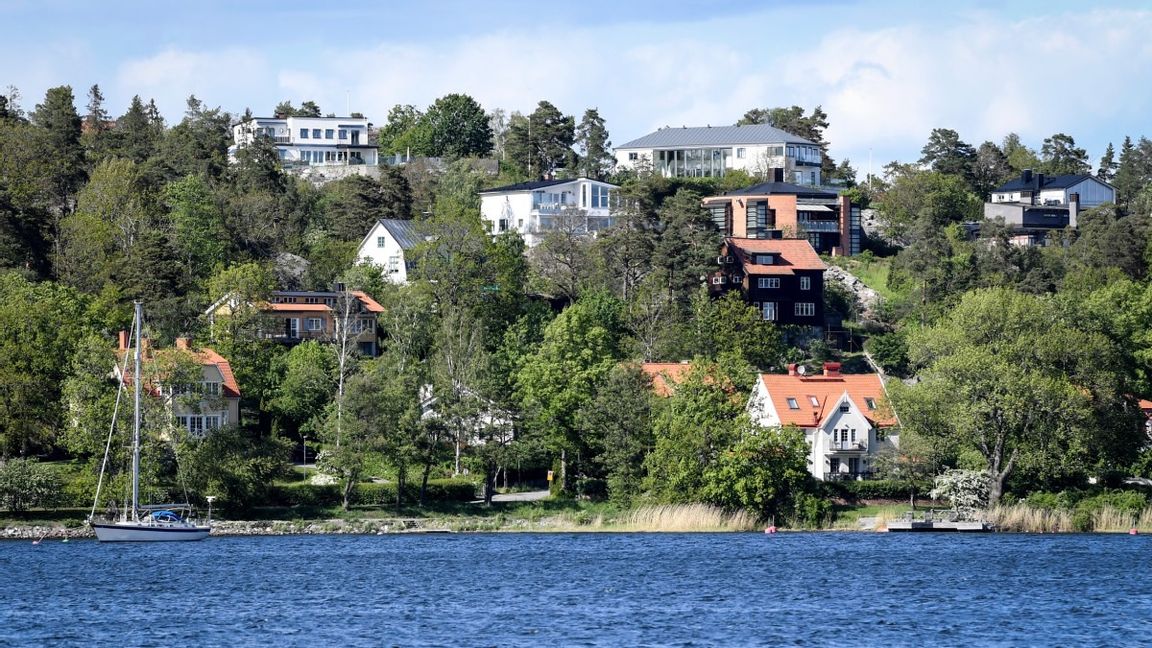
{"x": 582, "y": 590}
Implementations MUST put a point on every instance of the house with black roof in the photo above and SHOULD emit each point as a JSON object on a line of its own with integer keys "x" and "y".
{"x": 1035, "y": 204}
{"x": 712, "y": 151}
{"x": 387, "y": 245}
{"x": 579, "y": 205}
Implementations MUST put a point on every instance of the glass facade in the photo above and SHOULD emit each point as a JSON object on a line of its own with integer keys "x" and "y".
{"x": 696, "y": 163}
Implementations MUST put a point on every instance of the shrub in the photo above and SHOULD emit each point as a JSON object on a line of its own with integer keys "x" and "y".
{"x": 26, "y": 483}
{"x": 887, "y": 489}
{"x": 963, "y": 488}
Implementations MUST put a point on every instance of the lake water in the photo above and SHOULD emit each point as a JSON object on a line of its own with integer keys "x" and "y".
{"x": 808, "y": 589}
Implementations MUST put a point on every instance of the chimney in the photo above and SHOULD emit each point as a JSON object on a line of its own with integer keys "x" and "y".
{"x": 792, "y": 369}
{"x": 831, "y": 369}
{"x": 123, "y": 340}
{"x": 1073, "y": 208}
{"x": 182, "y": 343}
{"x": 1026, "y": 176}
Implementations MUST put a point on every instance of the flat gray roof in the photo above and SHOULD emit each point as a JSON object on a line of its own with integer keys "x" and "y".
{"x": 715, "y": 136}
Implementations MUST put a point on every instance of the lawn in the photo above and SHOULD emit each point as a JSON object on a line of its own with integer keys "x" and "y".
{"x": 873, "y": 272}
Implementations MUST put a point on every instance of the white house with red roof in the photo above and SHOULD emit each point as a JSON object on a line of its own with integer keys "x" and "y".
{"x": 845, "y": 417}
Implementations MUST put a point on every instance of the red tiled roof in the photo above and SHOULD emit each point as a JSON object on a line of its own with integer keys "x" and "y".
{"x": 665, "y": 375}
{"x": 827, "y": 391}
{"x": 230, "y": 389}
{"x": 369, "y": 304}
{"x": 791, "y": 255}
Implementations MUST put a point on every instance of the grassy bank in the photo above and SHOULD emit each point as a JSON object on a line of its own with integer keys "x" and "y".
{"x": 1107, "y": 519}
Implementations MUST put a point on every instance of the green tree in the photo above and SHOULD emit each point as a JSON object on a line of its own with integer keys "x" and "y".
{"x": 793, "y": 120}
{"x": 394, "y": 135}
{"x": 27, "y": 484}
{"x": 306, "y": 389}
{"x": 308, "y": 109}
{"x": 1018, "y": 154}
{"x": 541, "y": 143}
{"x": 352, "y": 205}
{"x": 197, "y": 225}
{"x": 135, "y": 136}
{"x": 579, "y": 349}
{"x": 199, "y": 143}
{"x": 1061, "y": 156}
{"x": 596, "y": 159}
{"x": 946, "y": 153}
{"x": 990, "y": 169}
{"x": 692, "y": 429}
{"x": 234, "y": 465}
{"x": 1108, "y": 164}
{"x": 763, "y": 472}
{"x": 454, "y": 126}
{"x": 1005, "y": 375}
{"x": 28, "y": 223}
{"x": 617, "y": 424}
{"x": 687, "y": 246}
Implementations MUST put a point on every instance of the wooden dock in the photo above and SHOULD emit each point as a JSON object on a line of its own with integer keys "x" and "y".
{"x": 946, "y": 521}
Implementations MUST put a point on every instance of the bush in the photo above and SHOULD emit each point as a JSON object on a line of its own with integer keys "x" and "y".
{"x": 26, "y": 483}
{"x": 885, "y": 489}
{"x": 371, "y": 494}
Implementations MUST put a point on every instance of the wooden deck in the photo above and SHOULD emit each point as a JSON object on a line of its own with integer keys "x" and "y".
{"x": 938, "y": 521}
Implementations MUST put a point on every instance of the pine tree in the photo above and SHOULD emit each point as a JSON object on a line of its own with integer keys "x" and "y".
{"x": 95, "y": 131}
{"x": 596, "y": 159}
{"x": 1061, "y": 156}
{"x": 541, "y": 143}
{"x": 1108, "y": 165}
{"x": 1127, "y": 179}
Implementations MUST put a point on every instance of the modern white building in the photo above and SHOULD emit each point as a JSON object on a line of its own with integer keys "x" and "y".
{"x": 843, "y": 416}
{"x": 711, "y": 151}
{"x": 310, "y": 141}
{"x": 534, "y": 208}
{"x": 387, "y": 245}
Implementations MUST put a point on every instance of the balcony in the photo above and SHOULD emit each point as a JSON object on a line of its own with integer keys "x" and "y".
{"x": 819, "y": 226}
{"x": 552, "y": 208}
{"x": 849, "y": 476}
{"x": 847, "y": 446}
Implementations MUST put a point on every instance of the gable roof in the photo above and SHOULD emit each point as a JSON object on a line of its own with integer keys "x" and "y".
{"x": 404, "y": 231}
{"x": 784, "y": 188}
{"x": 230, "y": 388}
{"x": 666, "y": 375}
{"x": 1049, "y": 182}
{"x": 716, "y": 136}
{"x": 827, "y": 391}
{"x": 791, "y": 255}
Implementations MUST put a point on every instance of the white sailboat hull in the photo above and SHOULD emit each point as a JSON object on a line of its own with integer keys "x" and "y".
{"x": 137, "y": 532}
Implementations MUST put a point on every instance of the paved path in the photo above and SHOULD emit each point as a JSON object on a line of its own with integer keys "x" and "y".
{"x": 529, "y": 496}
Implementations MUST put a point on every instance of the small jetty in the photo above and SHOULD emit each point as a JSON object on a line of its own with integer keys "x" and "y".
{"x": 936, "y": 520}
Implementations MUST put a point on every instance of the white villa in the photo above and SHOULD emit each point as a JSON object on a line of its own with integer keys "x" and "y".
{"x": 386, "y": 246}
{"x": 711, "y": 151}
{"x": 534, "y": 208}
{"x": 311, "y": 141}
{"x": 842, "y": 415}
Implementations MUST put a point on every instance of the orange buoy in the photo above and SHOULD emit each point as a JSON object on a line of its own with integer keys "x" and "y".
{"x": 771, "y": 529}
{"x": 1133, "y": 532}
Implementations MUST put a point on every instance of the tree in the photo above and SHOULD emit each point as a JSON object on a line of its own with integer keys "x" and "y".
{"x": 199, "y": 143}
{"x": 617, "y": 424}
{"x": 26, "y": 484}
{"x": 924, "y": 199}
{"x": 990, "y": 169}
{"x": 1061, "y": 156}
{"x": 1108, "y": 164}
{"x": 306, "y": 388}
{"x": 541, "y": 143}
{"x": 1006, "y": 375}
{"x": 793, "y": 120}
{"x": 596, "y": 159}
{"x": 454, "y": 126}
{"x": 60, "y": 126}
{"x": 352, "y": 205}
{"x": 946, "y": 153}
{"x": 1019, "y": 156}
{"x": 393, "y": 137}
{"x": 563, "y": 257}
{"x": 308, "y": 109}
{"x": 691, "y": 430}
{"x": 687, "y": 245}
{"x": 579, "y": 349}
{"x": 197, "y": 226}
{"x": 95, "y": 130}
{"x": 135, "y": 136}
{"x": 764, "y": 471}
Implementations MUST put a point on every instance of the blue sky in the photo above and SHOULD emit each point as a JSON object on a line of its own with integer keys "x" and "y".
{"x": 885, "y": 72}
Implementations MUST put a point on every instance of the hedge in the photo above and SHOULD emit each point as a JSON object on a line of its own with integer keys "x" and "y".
{"x": 886, "y": 489}
{"x": 371, "y": 494}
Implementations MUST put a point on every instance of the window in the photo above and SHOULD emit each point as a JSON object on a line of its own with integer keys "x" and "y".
{"x": 313, "y": 323}
{"x": 763, "y": 259}
{"x": 303, "y": 133}
{"x": 870, "y": 402}
{"x": 812, "y": 174}
{"x": 502, "y": 225}
{"x": 844, "y": 407}
{"x": 768, "y": 310}
{"x": 394, "y": 263}
{"x": 741, "y": 153}
{"x": 815, "y": 401}
{"x": 805, "y": 309}
{"x": 315, "y": 133}
{"x": 381, "y": 241}
{"x": 329, "y": 133}
{"x": 584, "y": 196}
{"x": 768, "y": 282}
{"x": 343, "y": 134}
{"x": 210, "y": 388}
{"x": 792, "y": 404}
{"x": 600, "y": 197}
{"x": 792, "y": 152}
{"x": 853, "y": 433}
{"x": 805, "y": 283}
{"x": 633, "y": 156}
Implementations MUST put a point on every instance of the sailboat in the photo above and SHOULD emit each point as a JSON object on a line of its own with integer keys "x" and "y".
{"x": 143, "y": 523}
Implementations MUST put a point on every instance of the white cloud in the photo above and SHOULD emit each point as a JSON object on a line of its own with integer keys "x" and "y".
{"x": 884, "y": 88}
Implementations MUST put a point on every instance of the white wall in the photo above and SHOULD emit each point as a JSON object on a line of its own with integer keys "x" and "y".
{"x": 390, "y": 256}
{"x": 517, "y": 208}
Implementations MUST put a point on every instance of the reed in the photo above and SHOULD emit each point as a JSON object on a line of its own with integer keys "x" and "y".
{"x": 685, "y": 517}
{"x": 1022, "y": 518}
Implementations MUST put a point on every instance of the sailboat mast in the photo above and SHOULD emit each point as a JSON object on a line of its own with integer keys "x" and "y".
{"x": 139, "y": 377}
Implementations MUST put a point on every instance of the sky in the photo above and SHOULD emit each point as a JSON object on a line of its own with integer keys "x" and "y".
{"x": 886, "y": 72}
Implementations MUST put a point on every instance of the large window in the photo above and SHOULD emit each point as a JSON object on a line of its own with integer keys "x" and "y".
{"x": 805, "y": 309}
{"x": 757, "y": 219}
{"x": 768, "y": 282}
{"x": 768, "y": 310}
{"x": 600, "y": 197}
{"x": 315, "y": 133}
{"x": 313, "y": 323}
{"x": 805, "y": 283}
